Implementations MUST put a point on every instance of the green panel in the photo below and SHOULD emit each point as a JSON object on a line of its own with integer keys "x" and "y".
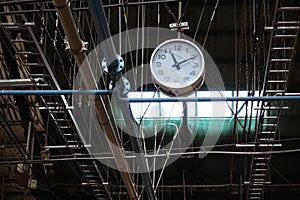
{"x": 197, "y": 126}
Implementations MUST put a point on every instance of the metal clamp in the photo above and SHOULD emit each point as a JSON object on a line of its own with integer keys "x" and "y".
{"x": 179, "y": 26}
{"x": 120, "y": 67}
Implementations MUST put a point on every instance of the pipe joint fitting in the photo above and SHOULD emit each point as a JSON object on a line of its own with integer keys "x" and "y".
{"x": 61, "y": 4}
{"x": 81, "y": 50}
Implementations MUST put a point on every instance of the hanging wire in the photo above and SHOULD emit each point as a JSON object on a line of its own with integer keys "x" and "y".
{"x": 109, "y": 12}
{"x": 199, "y": 20}
{"x": 171, "y": 145}
{"x": 154, "y": 152}
{"x": 141, "y": 11}
{"x": 170, "y": 12}
{"x": 134, "y": 69}
{"x": 128, "y": 42}
{"x": 210, "y": 22}
{"x": 181, "y": 16}
{"x": 146, "y": 110}
{"x": 120, "y": 27}
{"x": 158, "y": 23}
{"x": 204, "y": 42}
{"x": 141, "y": 83}
{"x": 143, "y": 44}
{"x": 102, "y": 156}
{"x": 167, "y": 155}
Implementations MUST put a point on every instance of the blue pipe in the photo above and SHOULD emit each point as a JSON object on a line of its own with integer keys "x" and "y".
{"x": 145, "y": 100}
{"x": 211, "y": 99}
{"x": 54, "y": 92}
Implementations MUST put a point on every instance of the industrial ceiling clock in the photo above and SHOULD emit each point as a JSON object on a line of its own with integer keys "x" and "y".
{"x": 177, "y": 67}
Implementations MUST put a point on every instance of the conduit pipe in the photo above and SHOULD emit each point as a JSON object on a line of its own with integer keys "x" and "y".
{"x": 285, "y": 97}
{"x": 78, "y": 51}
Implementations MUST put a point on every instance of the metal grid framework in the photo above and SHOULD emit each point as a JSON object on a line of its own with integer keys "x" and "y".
{"x": 283, "y": 34}
{"x": 38, "y": 52}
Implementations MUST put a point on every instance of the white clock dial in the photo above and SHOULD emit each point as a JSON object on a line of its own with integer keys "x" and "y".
{"x": 177, "y": 67}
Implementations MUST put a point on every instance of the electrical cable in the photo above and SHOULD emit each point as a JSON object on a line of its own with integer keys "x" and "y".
{"x": 210, "y": 22}
{"x": 167, "y": 156}
{"x": 88, "y": 158}
{"x": 199, "y": 20}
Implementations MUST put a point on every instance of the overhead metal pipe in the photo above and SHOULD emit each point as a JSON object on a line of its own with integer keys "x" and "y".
{"x": 287, "y": 97}
{"x": 211, "y": 99}
{"x": 165, "y": 155}
{"x": 55, "y": 92}
{"x": 24, "y": 82}
{"x": 78, "y": 51}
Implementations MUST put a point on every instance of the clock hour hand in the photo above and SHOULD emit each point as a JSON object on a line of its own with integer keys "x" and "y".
{"x": 175, "y": 61}
{"x": 183, "y": 61}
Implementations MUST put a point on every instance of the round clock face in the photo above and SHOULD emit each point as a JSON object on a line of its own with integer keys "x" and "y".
{"x": 177, "y": 67}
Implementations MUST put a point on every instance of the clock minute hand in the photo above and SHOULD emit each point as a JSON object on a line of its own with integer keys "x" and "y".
{"x": 183, "y": 61}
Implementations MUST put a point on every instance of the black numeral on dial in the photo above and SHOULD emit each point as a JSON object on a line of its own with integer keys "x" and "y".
{"x": 177, "y": 47}
{"x": 186, "y": 79}
{"x": 161, "y": 56}
{"x": 195, "y": 65}
{"x": 193, "y": 73}
{"x": 167, "y": 79}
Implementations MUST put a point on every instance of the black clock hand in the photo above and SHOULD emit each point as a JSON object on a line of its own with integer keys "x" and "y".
{"x": 183, "y": 61}
{"x": 175, "y": 61}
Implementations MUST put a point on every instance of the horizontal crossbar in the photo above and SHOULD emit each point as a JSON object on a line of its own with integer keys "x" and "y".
{"x": 173, "y": 99}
